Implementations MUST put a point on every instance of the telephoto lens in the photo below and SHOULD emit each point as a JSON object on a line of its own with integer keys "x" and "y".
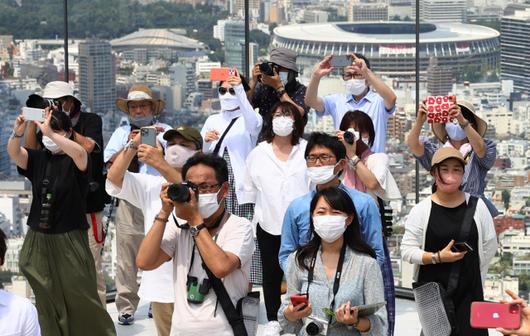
{"x": 266, "y": 69}
{"x": 180, "y": 192}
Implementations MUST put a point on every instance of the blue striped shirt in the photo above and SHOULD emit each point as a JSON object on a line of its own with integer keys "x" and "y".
{"x": 474, "y": 173}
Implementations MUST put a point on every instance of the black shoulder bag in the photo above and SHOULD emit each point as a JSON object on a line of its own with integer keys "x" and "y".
{"x": 434, "y": 303}
{"x": 218, "y": 145}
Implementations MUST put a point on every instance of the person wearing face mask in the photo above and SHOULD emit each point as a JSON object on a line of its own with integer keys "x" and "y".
{"x": 88, "y": 133}
{"x": 364, "y": 91}
{"x": 369, "y": 172}
{"x": 434, "y": 225}
{"x": 335, "y": 261}
{"x": 266, "y": 91}
{"x": 197, "y": 234}
{"x": 466, "y": 134}
{"x": 142, "y": 191}
{"x": 55, "y": 257}
{"x": 325, "y": 159}
{"x": 143, "y": 111}
{"x": 276, "y": 175}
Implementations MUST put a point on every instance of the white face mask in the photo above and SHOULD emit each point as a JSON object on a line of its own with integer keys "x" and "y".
{"x": 50, "y": 145}
{"x": 455, "y": 132}
{"x": 228, "y": 102}
{"x": 322, "y": 174}
{"x": 329, "y": 228}
{"x": 177, "y": 155}
{"x": 208, "y": 204}
{"x": 284, "y": 77}
{"x": 355, "y": 86}
{"x": 366, "y": 141}
{"x": 282, "y": 126}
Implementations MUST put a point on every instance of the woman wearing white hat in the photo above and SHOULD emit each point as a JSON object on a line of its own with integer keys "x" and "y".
{"x": 468, "y": 137}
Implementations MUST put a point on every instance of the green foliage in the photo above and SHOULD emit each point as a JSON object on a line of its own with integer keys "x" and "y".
{"x": 262, "y": 39}
{"x": 506, "y": 198}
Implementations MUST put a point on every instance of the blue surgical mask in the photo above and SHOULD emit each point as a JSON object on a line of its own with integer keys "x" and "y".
{"x": 455, "y": 132}
{"x": 284, "y": 77}
{"x": 142, "y": 121}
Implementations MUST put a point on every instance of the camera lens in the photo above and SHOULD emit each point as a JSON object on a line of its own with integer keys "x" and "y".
{"x": 178, "y": 193}
{"x": 514, "y": 309}
{"x": 313, "y": 328}
{"x": 266, "y": 69}
{"x": 349, "y": 137}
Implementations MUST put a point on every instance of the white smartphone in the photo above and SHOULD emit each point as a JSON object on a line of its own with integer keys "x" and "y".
{"x": 31, "y": 113}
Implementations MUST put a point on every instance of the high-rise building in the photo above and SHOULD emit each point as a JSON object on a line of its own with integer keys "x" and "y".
{"x": 253, "y": 55}
{"x": 97, "y": 76}
{"x": 315, "y": 16}
{"x": 235, "y": 44}
{"x": 439, "y": 78}
{"x": 238, "y": 7}
{"x": 515, "y": 48}
{"x": 442, "y": 10}
{"x": 367, "y": 12}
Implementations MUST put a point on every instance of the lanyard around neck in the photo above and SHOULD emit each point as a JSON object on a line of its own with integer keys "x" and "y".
{"x": 336, "y": 282}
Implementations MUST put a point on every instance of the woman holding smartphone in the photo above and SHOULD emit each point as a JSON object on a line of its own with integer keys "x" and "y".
{"x": 335, "y": 264}
{"x": 431, "y": 233}
{"x": 55, "y": 257}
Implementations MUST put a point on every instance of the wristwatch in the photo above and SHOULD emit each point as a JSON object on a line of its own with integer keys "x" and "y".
{"x": 194, "y": 230}
{"x": 354, "y": 161}
{"x": 280, "y": 92}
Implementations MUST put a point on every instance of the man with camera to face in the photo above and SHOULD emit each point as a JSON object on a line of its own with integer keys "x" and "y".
{"x": 88, "y": 133}
{"x": 276, "y": 81}
{"x": 143, "y": 110}
{"x": 210, "y": 239}
{"x": 142, "y": 191}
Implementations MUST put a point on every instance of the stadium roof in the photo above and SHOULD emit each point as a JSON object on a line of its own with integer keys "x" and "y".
{"x": 166, "y": 38}
{"x": 384, "y": 32}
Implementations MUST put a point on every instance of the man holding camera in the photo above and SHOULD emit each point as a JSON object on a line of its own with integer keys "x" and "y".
{"x": 213, "y": 243}
{"x": 364, "y": 92}
{"x": 87, "y": 133}
{"x": 275, "y": 81}
{"x": 142, "y": 191}
{"x": 142, "y": 109}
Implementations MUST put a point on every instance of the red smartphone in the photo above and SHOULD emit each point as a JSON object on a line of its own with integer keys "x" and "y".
{"x": 298, "y": 299}
{"x": 495, "y": 315}
{"x": 222, "y": 74}
{"x": 438, "y": 109}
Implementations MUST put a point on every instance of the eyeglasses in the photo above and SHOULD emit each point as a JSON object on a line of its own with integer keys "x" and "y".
{"x": 222, "y": 90}
{"x": 324, "y": 158}
{"x": 348, "y": 76}
{"x": 205, "y": 188}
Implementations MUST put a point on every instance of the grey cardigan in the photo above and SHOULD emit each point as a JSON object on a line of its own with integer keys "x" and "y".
{"x": 361, "y": 283}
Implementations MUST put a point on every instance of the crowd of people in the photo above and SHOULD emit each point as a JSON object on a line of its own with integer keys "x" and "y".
{"x": 249, "y": 200}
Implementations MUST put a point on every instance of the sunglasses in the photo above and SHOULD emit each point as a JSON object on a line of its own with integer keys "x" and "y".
{"x": 222, "y": 90}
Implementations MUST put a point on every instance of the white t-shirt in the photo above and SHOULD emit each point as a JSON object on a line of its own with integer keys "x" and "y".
{"x": 18, "y": 317}
{"x": 377, "y": 163}
{"x": 143, "y": 191}
{"x": 272, "y": 184}
{"x": 203, "y": 319}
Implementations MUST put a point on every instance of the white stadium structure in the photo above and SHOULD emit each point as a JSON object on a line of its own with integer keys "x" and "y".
{"x": 390, "y": 46}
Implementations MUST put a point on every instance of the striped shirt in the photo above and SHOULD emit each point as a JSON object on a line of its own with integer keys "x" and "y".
{"x": 474, "y": 173}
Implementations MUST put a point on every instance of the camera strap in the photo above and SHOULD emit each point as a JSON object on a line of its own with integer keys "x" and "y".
{"x": 338, "y": 273}
{"x": 220, "y": 142}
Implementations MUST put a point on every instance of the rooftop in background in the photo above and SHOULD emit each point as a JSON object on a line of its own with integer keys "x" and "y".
{"x": 169, "y": 38}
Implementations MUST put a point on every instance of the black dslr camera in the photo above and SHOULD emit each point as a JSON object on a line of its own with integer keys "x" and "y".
{"x": 179, "y": 192}
{"x": 37, "y": 101}
{"x": 267, "y": 68}
{"x": 349, "y": 137}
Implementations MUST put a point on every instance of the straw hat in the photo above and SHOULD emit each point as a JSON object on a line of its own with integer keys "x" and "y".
{"x": 140, "y": 92}
{"x": 480, "y": 125}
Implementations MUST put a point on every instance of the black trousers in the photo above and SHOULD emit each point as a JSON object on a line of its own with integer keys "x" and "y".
{"x": 272, "y": 273}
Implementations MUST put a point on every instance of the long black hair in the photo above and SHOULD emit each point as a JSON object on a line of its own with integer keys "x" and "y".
{"x": 298, "y": 130}
{"x": 338, "y": 199}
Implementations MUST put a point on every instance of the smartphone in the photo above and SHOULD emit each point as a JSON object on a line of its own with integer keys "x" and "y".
{"x": 148, "y": 136}
{"x": 222, "y": 74}
{"x": 438, "y": 109}
{"x": 495, "y": 315}
{"x": 370, "y": 309}
{"x": 461, "y": 247}
{"x": 298, "y": 299}
{"x": 35, "y": 114}
{"x": 341, "y": 61}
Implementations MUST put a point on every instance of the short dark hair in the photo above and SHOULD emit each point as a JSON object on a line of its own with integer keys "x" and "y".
{"x": 298, "y": 131}
{"x": 361, "y": 56}
{"x": 3, "y": 247}
{"x": 218, "y": 164}
{"x": 363, "y": 122}
{"x": 60, "y": 121}
{"x": 328, "y": 141}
